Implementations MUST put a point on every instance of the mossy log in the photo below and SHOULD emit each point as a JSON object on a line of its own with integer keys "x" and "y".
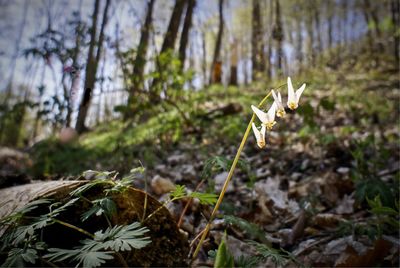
{"x": 168, "y": 246}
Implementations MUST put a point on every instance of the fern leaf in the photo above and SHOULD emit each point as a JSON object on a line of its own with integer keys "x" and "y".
{"x": 253, "y": 230}
{"x": 205, "y": 198}
{"x": 179, "y": 192}
{"x": 121, "y": 238}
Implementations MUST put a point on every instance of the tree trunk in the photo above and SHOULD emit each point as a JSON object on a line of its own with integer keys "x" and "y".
{"x": 204, "y": 58}
{"x": 185, "y": 31}
{"x": 216, "y": 66}
{"x": 234, "y": 59}
{"x": 173, "y": 26}
{"x": 318, "y": 28}
{"x": 395, "y": 11}
{"x": 16, "y": 52}
{"x": 256, "y": 40}
{"x": 92, "y": 65}
{"x": 269, "y": 51}
{"x": 299, "y": 46}
{"x": 278, "y": 35}
{"x": 373, "y": 16}
{"x": 140, "y": 60}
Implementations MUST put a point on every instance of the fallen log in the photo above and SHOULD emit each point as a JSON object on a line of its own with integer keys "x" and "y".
{"x": 168, "y": 247}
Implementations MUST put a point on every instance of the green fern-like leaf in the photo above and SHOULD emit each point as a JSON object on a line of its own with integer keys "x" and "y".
{"x": 121, "y": 238}
{"x": 94, "y": 252}
{"x": 265, "y": 252}
{"x": 247, "y": 261}
{"x": 100, "y": 206}
{"x": 253, "y": 230}
{"x": 179, "y": 192}
{"x": 17, "y": 257}
{"x": 205, "y": 198}
{"x": 93, "y": 258}
{"x": 88, "y": 257}
{"x": 16, "y": 216}
{"x": 82, "y": 189}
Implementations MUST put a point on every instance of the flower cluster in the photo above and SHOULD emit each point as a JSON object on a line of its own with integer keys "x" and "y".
{"x": 268, "y": 118}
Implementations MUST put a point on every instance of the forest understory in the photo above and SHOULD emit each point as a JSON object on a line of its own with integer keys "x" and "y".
{"x": 324, "y": 191}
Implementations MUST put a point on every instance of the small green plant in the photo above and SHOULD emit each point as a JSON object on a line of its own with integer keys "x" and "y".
{"x": 267, "y": 122}
{"x": 180, "y": 192}
{"x": 23, "y": 242}
{"x": 279, "y": 257}
{"x": 223, "y": 257}
{"x": 251, "y": 229}
{"x": 369, "y": 159}
{"x": 386, "y": 219}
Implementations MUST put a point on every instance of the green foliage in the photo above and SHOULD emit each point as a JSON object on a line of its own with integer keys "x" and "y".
{"x": 96, "y": 251}
{"x": 100, "y": 206}
{"x": 179, "y": 192}
{"x": 17, "y": 257}
{"x": 223, "y": 257}
{"x": 253, "y": 230}
{"x": 204, "y": 198}
{"x": 278, "y": 257}
{"x": 11, "y": 119}
{"x": 369, "y": 158}
{"x": 217, "y": 164}
{"x": 247, "y": 261}
{"x": 386, "y": 218}
{"x": 23, "y": 241}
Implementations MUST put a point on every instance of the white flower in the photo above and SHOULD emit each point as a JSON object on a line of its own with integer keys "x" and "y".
{"x": 267, "y": 119}
{"x": 260, "y": 135}
{"x": 293, "y": 97}
{"x": 280, "y": 112}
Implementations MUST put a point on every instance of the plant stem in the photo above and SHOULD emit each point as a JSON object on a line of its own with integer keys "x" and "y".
{"x": 227, "y": 180}
{"x": 73, "y": 227}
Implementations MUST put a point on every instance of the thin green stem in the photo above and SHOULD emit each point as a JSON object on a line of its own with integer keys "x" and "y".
{"x": 73, "y": 227}
{"x": 159, "y": 208}
{"x": 228, "y": 178}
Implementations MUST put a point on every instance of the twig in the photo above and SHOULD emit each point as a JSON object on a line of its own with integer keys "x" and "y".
{"x": 73, "y": 227}
{"x": 188, "y": 204}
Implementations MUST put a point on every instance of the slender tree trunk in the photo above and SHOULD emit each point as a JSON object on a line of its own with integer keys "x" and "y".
{"x": 216, "y": 65}
{"x": 395, "y": 11}
{"x": 204, "y": 58}
{"x": 299, "y": 46}
{"x": 92, "y": 65}
{"x": 278, "y": 35}
{"x": 140, "y": 60}
{"x": 185, "y": 31}
{"x": 234, "y": 59}
{"x": 173, "y": 26}
{"x": 369, "y": 33}
{"x": 374, "y": 16}
{"x": 256, "y": 40}
{"x": 330, "y": 34}
{"x": 318, "y": 28}
{"x": 16, "y": 52}
{"x": 269, "y": 51}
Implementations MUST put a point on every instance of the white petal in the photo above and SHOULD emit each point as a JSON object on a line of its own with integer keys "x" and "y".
{"x": 260, "y": 114}
{"x": 279, "y": 97}
{"x": 263, "y": 130}
{"x": 271, "y": 112}
{"x": 256, "y": 132}
{"x": 291, "y": 95}
{"x": 274, "y": 96}
{"x": 299, "y": 92}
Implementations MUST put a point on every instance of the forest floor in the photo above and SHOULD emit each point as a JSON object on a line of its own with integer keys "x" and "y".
{"x": 324, "y": 192}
